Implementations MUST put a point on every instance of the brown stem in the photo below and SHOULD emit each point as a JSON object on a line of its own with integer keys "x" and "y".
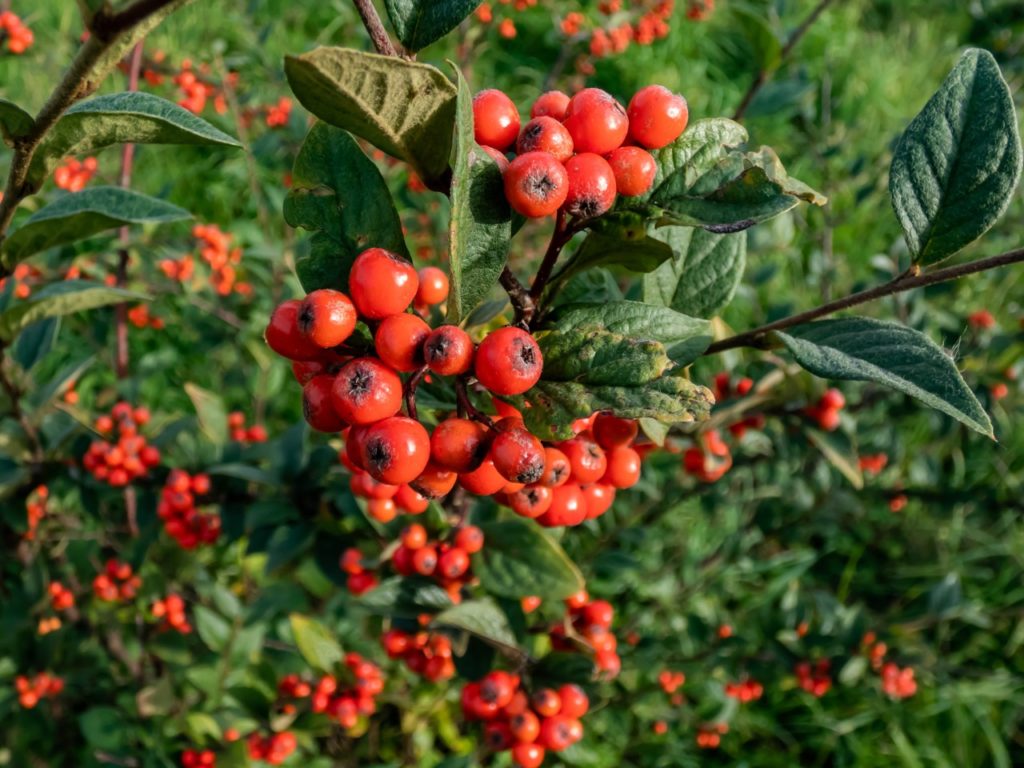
{"x": 410, "y": 391}
{"x": 764, "y": 76}
{"x": 466, "y": 407}
{"x": 905, "y": 282}
{"x": 518, "y": 294}
{"x": 371, "y": 20}
{"x": 547, "y": 265}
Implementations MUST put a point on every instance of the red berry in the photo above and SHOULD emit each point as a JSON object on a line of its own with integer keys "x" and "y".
{"x": 381, "y": 510}
{"x": 832, "y": 400}
{"x": 508, "y": 361}
{"x": 498, "y": 687}
{"x": 574, "y": 701}
{"x": 498, "y": 157}
{"x": 599, "y": 498}
{"x": 414, "y": 536}
{"x": 327, "y": 317}
{"x": 283, "y": 334}
{"x": 365, "y": 391}
{"x": 591, "y": 186}
{"x": 396, "y": 450}
{"x": 528, "y": 755}
{"x": 317, "y": 405}
{"x": 459, "y": 444}
{"x": 623, "y": 467}
{"x": 532, "y": 501}
{"x": 434, "y": 481}
{"x": 568, "y": 507}
{"x": 557, "y": 469}
{"x": 470, "y": 539}
{"x": 552, "y": 104}
{"x": 433, "y": 286}
{"x": 399, "y": 341}
{"x": 587, "y": 459}
{"x": 410, "y": 500}
{"x": 525, "y": 727}
{"x": 453, "y": 563}
{"x": 545, "y": 134}
{"x": 448, "y": 351}
{"x": 382, "y": 283}
{"x": 546, "y": 702}
{"x": 495, "y": 119}
{"x": 634, "y": 170}
{"x": 555, "y": 733}
{"x": 596, "y": 121}
{"x": 657, "y": 117}
{"x": 536, "y": 184}
{"x": 424, "y": 560}
{"x": 485, "y": 480}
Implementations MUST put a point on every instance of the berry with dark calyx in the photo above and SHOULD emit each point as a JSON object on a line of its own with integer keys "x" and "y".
{"x": 433, "y": 288}
{"x": 327, "y": 317}
{"x": 518, "y": 455}
{"x": 413, "y": 536}
{"x": 459, "y": 444}
{"x": 495, "y": 119}
{"x": 596, "y": 121}
{"x": 546, "y": 702}
{"x": 399, "y": 341}
{"x": 434, "y": 482}
{"x": 453, "y": 563}
{"x": 448, "y": 351}
{"x": 365, "y": 391}
{"x": 550, "y": 104}
{"x": 284, "y": 336}
{"x": 317, "y": 406}
{"x": 568, "y": 507}
{"x": 525, "y": 727}
{"x": 556, "y": 733}
{"x": 532, "y": 501}
{"x": 634, "y": 170}
{"x": 536, "y": 184}
{"x": 424, "y": 560}
{"x": 382, "y": 283}
{"x": 591, "y": 186}
{"x": 587, "y": 459}
{"x": 657, "y": 117}
{"x": 545, "y": 134}
{"x": 508, "y": 361}
{"x": 396, "y": 450}
{"x": 469, "y": 539}
{"x": 557, "y": 469}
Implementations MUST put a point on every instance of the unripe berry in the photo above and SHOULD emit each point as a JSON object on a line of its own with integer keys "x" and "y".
{"x": 365, "y": 391}
{"x": 657, "y": 117}
{"x": 382, "y": 283}
{"x": 508, "y": 361}
{"x": 536, "y": 184}
{"x": 327, "y": 317}
{"x": 399, "y": 341}
{"x": 495, "y": 119}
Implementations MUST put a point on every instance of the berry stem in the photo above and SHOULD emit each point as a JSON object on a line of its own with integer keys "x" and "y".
{"x": 912, "y": 278}
{"x": 466, "y": 407}
{"x": 410, "y": 391}
{"x": 374, "y": 26}
{"x": 518, "y": 295}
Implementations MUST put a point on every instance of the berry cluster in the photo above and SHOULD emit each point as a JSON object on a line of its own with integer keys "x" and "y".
{"x": 873, "y": 464}
{"x": 40, "y": 686}
{"x": 215, "y": 249}
{"x": 195, "y": 758}
{"x": 131, "y": 457}
{"x": 670, "y": 682}
{"x": 48, "y": 624}
{"x": 814, "y": 679}
{"x": 116, "y": 583}
{"x": 196, "y": 90}
{"x": 345, "y": 705}
{"x": 591, "y": 623}
{"x": 274, "y": 748}
{"x": 171, "y": 611}
{"x": 19, "y": 37}
{"x": 183, "y": 521}
{"x": 724, "y": 389}
{"x": 710, "y": 459}
{"x": 745, "y": 691}
{"x": 23, "y": 276}
{"x": 826, "y": 411}
{"x": 360, "y": 578}
{"x": 898, "y": 683}
{"x": 241, "y": 433}
{"x": 35, "y": 509}
{"x": 575, "y": 155}
{"x": 73, "y": 175}
{"x": 180, "y": 270}
{"x": 710, "y": 737}
{"x": 61, "y": 598}
{"x": 140, "y": 317}
{"x": 427, "y": 654}
{"x": 278, "y": 114}
{"x": 527, "y": 726}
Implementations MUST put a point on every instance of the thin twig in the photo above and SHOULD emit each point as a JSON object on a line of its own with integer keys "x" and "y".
{"x": 465, "y": 405}
{"x": 410, "y": 391}
{"x": 764, "y": 76}
{"x": 518, "y": 294}
{"x": 547, "y": 264}
{"x": 379, "y": 35}
{"x": 905, "y": 282}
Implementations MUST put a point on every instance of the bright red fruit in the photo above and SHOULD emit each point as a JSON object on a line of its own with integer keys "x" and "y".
{"x": 634, "y": 170}
{"x": 433, "y": 286}
{"x": 448, "y": 351}
{"x": 366, "y": 390}
{"x": 591, "y": 185}
{"x": 399, "y": 341}
{"x": 552, "y": 104}
{"x": 317, "y": 407}
{"x": 596, "y": 121}
{"x": 545, "y": 134}
{"x": 396, "y": 450}
{"x": 382, "y": 283}
{"x": 327, "y": 317}
{"x": 508, "y": 361}
{"x": 284, "y": 336}
{"x": 536, "y": 184}
{"x": 657, "y": 117}
{"x": 495, "y": 119}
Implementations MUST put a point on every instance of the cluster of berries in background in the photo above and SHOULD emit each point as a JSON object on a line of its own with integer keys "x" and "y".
{"x": 428, "y": 654}
{"x": 814, "y": 678}
{"x": 140, "y": 317}
{"x": 826, "y": 411}
{"x": 183, "y": 521}
{"x": 345, "y": 700}
{"x": 528, "y": 726}
{"x": 744, "y": 691}
{"x": 23, "y": 277}
{"x": 709, "y": 459}
{"x": 31, "y": 690}
{"x": 196, "y": 758}
{"x": 243, "y": 433}
{"x": 170, "y": 611}
{"x": 74, "y": 174}
{"x": 117, "y": 583}
{"x": 591, "y": 622}
{"x": 577, "y": 155}
{"x": 215, "y": 249}
{"x": 130, "y": 457}
{"x": 35, "y": 510}
{"x": 273, "y": 748}
{"x": 14, "y": 33}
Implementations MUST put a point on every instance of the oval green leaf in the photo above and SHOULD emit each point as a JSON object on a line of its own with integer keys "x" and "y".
{"x": 419, "y": 23}
{"x": 61, "y": 299}
{"x": 705, "y": 276}
{"x": 520, "y": 559}
{"x": 15, "y": 122}
{"x": 315, "y": 643}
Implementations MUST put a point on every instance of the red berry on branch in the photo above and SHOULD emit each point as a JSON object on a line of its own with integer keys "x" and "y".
{"x": 591, "y": 186}
{"x": 550, "y": 104}
{"x": 399, "y": 341}
{"x": 284, "y": 336}
{"x": 382, "y": 283}
{"x": 327, "y": 317}
{"x": 545, "y": 134}
{"x": 657, "y": 117}
{"x": 596, "y": 121}
{"x": 317, "y": 406}
{"x": 495, "y": 119}
{"x": 536, "y": 184}
{"x": 396, "y": 450}
{"x": 634, "y": 170}
{"x": 366, "y": 391}
{"x": 508, "y": 361}
{"x": 448, "y": 351}
{"x": 433, "y": 287}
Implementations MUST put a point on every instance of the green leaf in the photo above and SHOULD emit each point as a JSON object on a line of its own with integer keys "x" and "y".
{"x": 83, "y": 214}
{"x": 15, "y": 122}
{"x": 121, "y": 118}
{"x": 481, "y": 221}
{"x": 44, "y": 396}
{"x": 419, "y": 23}
{"x": 213, "y": 629}
{"x": 103, "y": 727}
{"x": 594, "y": 356}
{"x": 58, "y": 299}
{"x": 553, "y": 405}
{"x": 482, "y": 618}
{"x": 764, "y": 43}
{"x": 562, "y": 667}
{"x": 689, "y": 157}
{"x": 642, "y": 253}
{"x": 213, "y": 416}
{"x": 316, "y": 644}
{"x": 957, "y": 165}
{"x": 705, "y": 277}
{"x": 684, "y": 338}
{"x": 520, "y": 559}
{"x": 403, "y": 107}
{"x": 861, "y": 349}
{"x": 155, "y": 699}
{"x": 35, "y": 342}
{"x": 405, "y": 597}
{"x": 338, "y": 194}
{"x": 840, "y": 453}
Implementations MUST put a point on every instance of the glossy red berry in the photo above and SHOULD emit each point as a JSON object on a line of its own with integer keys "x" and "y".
{"x": 555, "y": 733}
{"x": 545, "y": 134}
{"x": 453, "y": 563}
{"x": 284, "y": 336}
{"x": 498, "y": 687}
{"x": 424, "y": 560}
{"x": 485, "y": 480}
{"x": 433, "y": 287}
{"x": 413, "y": 536}
{"x": 459, "y": 444}
{"x": 399, "y": 341}
{"x": 531, "y": 501}
{"x": 557, "y": 469}
{"x": 568, "y": 507}
{"x": 599, "y": 498}
{"x": 317, "y": 405}
{"x": 611, "y": 431}
{"x": 434, "y": 481}
{"x": 596, "y": 121}
{"x": 552, "y": 104}
{"x": 634, "y": 170}
{"x": 518, "y": 455}
{"x": 587, "y": 459}
{"x": 382, "y": 283}
{"x": 448, "y": 351}
{"x": 591, "y": 186}
{"x": 657, "y": 117}
{"x": 546, "y": 702}
{"x": 411, "y": 501}
{"x": 528, "y": 755}
{"x": 508, "y": 361}
{"x": 623, "y": 467}
{"x": 525, "y": 727}
{"x": 536, "y": 184}
{"x": 396, "y": 450}
{"x": 575, "y": 703}
{"x": 366, "y": 390}
{"x": 498, "y": 157}
{"x": 495, "y": 119}
{"x": 470, "y": 539}
{"x": 327, "y": 317}
{"x": 381, "y": 510}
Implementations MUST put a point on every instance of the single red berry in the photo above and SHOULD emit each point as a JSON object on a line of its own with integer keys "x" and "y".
{"x": 498, "y": 157}
{"x": 410, "y": 500}
{"x": 448, "y": 351}
{"x": 424, "y": 560}
{"x": 433, "y": 287}
{"x": 545, "y": 134}
{"x": 396, "y": 450}
{"x": 365, "y": 391}
{"x": 435, "y": 481}
{"x": 485, "y": 480}
{"x": 470, "y": 539}
{"x": 546, "y": 702}
{"x": 327, "y": 317}
{"x": 399, "y": 341}
{"x": 459, "y": 444}
{"x": 832, "y": 400}
{"x": 382, "y": 510}
{"x": 599, "y": 498}
{"x": 414, "y": 536}
{"x": 623, "y": 467}
{"x": 611, "y": 431}
{"x": 283, "y": 334}
{"x": 498, "y": 687}
{"x": 550, "y": 104}
{"x": 532, "y": 501}
{"x": 525, "y": 727}
{"x": 518, "y": 455}
{"x": 596, "y": 121}
{"x": 555, "y": 733}
{"x": 453, "y": 563}
{"x": 528, "y": 755}
{"x": 557, "y": 469}
{"x": 536, "y": 184}
{"x": 495, "y": 119}
{"x": 587, "y": 459}
{"x": 508, "y": 361}
{"x": 591, "y": 186}
{"x": 382, "y": 283}
{"x": 497, "y": 736}
{"x": 657, "y": 117}
{"x": 598, "y": 613}
{"x": 568, "y": 507}
{"x": 317, "y": 405}
{"x": 574, "y": 701}
{"x": 634, "y": 170}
